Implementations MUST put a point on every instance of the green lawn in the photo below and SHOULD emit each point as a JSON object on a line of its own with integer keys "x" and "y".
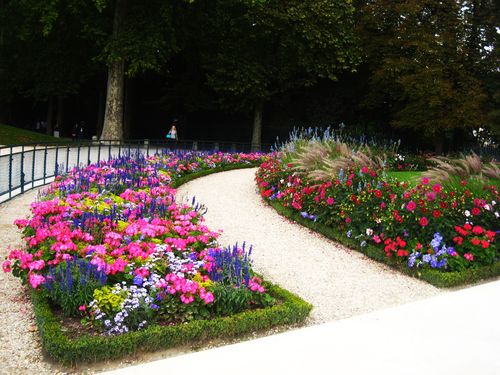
{"x": 10, "y": 135}
{"x": 414, "y": 177}
{"x": 407, "y": 176}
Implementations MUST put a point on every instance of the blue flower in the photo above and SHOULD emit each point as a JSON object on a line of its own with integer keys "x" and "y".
{"x": 412, "y": 259}
{"x": 138, "y": 280}
{"x": 349, "y": 234}
{"x": 304, "y": 214}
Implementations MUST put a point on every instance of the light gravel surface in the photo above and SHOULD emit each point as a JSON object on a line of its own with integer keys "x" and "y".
{"x": 337, "y": 281}
{"x": 20, "y": 348}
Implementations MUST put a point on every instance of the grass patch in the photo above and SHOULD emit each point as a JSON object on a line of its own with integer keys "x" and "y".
{"x": 412, "y": 177}
{"x": 10, "y": 135}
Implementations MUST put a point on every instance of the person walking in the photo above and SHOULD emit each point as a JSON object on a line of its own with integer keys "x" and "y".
{"x": 172, "y": 133}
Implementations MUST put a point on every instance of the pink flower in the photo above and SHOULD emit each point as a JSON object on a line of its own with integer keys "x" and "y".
{"x": 425, "y": 180}
{"x": 143, "y": 272}
{"x": 6, "y": 266}
{"x": 35, "y": 280}
{"x": 82, "y": 308}
{"x": 37, "y": 265}
{"x": 469, "y": 257}
{"x": 329, "y": 201}
{"x": 411, "y": 206}
{"x": 424, "y": 221}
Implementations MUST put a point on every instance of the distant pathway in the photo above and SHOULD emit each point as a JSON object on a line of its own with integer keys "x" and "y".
{"x": 338, "y": 282}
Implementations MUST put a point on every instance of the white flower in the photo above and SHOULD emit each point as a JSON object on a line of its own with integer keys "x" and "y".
{"x": 467, "y": 213}
{"x": 493, "y": 203}
{"x": 487, "y": 207}
{"x": 369, "y": 231}
{"x": 496, "y": 214}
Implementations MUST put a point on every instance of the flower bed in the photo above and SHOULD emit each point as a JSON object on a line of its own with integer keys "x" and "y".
{"x": 109, "y": 245}
{"x": 445, "y": 236}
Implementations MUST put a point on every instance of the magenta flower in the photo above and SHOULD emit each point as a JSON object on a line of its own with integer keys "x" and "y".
{"x": 411, "y": 206}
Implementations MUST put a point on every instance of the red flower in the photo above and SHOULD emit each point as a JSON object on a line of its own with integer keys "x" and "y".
{"x": 458, "y": 240}
{"x": 267, "y": 193}
{"x": 425, "y": 180}
{"x": 424, "y": 221}
{"x": 477, "y": 230}
{"x": 378, "y": 193}
{"x": 476, "y": 211}
{"x": 347, "y": 220}
{"x": 485, "y": 244}
{"x": 436, "y": 213}
{"x": 490, "y": 234}
{"x": 437, "y": 188}
{"x": 475, "y": 241}
{"x": 467, "y": 226}
{"x": 402, "y": 253}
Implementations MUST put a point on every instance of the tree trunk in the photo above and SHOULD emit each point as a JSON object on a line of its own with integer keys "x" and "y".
{"x": 113, "y": 116}
{"x": 100, "y": 112}
{"x": 257, "y": 126}
{"x": 50, "y": 114}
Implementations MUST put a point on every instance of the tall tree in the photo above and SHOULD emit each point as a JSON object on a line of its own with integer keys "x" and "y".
{"x": 254, "y": 50}
{"x": 42, "y": 54}
{"x": 419, "y": 65}
{"x": 141, "y": 38}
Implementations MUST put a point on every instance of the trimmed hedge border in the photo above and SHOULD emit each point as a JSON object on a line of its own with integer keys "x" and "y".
{"x": 192, "y": 176}
{"x": 58, "y": 346}
{"x": 291, "y": 309}
{"x": 434, "y": 277}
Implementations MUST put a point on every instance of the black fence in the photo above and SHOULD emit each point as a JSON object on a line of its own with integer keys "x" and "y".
{"x": 24, "y": 167}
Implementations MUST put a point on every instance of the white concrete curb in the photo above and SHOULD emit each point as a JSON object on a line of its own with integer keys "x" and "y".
{"x": 453, "y": 333}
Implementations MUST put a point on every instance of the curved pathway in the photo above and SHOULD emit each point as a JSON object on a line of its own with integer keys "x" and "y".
{"x": 338, "y": 282}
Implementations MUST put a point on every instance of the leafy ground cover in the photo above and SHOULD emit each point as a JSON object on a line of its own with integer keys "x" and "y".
{"x": 410, "y": 221}
{"x": 109, "y": 245}
{"x": 10, "y": 135}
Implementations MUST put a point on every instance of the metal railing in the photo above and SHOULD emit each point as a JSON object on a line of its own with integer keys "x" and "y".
{"x": 24, "y": 167}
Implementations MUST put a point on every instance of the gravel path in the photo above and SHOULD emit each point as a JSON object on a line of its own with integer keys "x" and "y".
{"x": 20, "y": 348}
{"x": 338, "y": 282}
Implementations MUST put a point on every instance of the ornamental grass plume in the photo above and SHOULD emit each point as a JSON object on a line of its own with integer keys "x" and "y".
{"x": 466, "y": 167}
{"x": 323, "y": 160}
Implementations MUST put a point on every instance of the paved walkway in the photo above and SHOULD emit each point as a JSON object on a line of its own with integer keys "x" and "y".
{"x": 454, "y": 333}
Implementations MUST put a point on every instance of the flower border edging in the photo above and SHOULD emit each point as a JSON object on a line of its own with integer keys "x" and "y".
{"x": 434, "y": 277}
